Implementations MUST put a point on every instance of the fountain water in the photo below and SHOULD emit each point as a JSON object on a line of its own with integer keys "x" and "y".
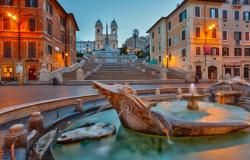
{"x": 192, "y": 89}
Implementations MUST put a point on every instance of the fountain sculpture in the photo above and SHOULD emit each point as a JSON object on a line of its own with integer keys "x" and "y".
{"x": 192, "y": 97}
{"x": 136, "y": 114}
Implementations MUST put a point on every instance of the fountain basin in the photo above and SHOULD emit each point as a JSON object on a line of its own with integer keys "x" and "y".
{"x": 131, "y": 145}
{"x": 192, "y": 100}
{"x": 227, "y": 97}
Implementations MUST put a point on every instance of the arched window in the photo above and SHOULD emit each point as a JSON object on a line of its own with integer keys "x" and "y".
{"x": 98, "y": 46}
{"x": 113, "y": 46}
{"x": 114, "y": 31}
{"x": 98, "y": 31}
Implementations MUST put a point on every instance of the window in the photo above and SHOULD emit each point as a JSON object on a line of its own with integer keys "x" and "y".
{"x": 214, "y": 13}
{"x": 236, "y": 15}
{"x": 215, "y": 51}
{"x": 246, "y": 2}
{"x": 169, "y": 41}
{"x": 7, "y": 71}
{"x": 63, "y": 37}
{"x": 176, "y": 40}
{"x": 7, "y": 49}
{"x": 214, "y": 33}
{"x": 6, "y": 2}
{"x": 49, "y": 28}
{"x": 182, "y": 16}
{"x": 159, "y": 30}
{"x": 32, "y": 25}
{"x": 31, "y": 3}
{"x": 153, "y": 35}
{"x": 247, "y": 52}
{"x": 169, "y": 25}
{"x": 247, "y": 36}
{"x": 63, "y": 55}
{"x": 225, "y": 51}
{"x": 198, "y": 32}
{"x": 32, "y": 49}
{"x": 198, "y": 51}
{"x": 50, "y": 8}
{"x": 224, "y": 14}
{"x": 183, "y": 52}
{"x": 62, "y": 21}
{"x": 237, "y": 52}
{"x": 228, "y": 71}
{"x": 153, "y": 48}
{"x": 159, "y": 44}
{"x": 236, "y": 71}
{"x": 224, "y": 35}
{"x": 159, "y": 58}
{"x": 6, "y": 24}
{"x": 246, "y": 16}
{"x": 197, "y": 12}
{"x": 236, "y": 2}
{"x": 50, "y": 50}
{"x": 183, "y": 35}
{"x": 237, "y": 37}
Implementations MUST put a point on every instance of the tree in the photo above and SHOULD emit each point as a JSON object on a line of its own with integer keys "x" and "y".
{"x": 124, "y": 50}
{"x": 135, "y": 35}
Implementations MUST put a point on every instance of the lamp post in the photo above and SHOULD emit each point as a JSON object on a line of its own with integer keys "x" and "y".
{"x": 16, "y": 19}
{"x": 210, "y": 28}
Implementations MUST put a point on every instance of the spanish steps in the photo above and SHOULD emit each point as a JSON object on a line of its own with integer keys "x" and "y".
{"x": 120, "y": 71}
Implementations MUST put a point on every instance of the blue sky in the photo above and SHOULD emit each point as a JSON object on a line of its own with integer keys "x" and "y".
{"x": 129, "y": 14}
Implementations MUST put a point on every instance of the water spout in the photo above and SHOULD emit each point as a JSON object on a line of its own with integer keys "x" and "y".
{"x": 192, "y": 89}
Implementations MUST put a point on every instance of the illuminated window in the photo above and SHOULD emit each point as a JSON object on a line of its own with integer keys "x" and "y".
{"x": 214, "y": 33}
{"x": 198, "y": 32}
{"x": 7, "y": 71}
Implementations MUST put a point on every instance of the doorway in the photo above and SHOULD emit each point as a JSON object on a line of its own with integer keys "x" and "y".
{"x": 212, "y": 73}
{"x": 32, "y": 74}
{"x": 198, "y": 72}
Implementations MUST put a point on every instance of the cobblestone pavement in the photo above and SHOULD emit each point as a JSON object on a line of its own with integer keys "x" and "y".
{"x": 14, "y": 95}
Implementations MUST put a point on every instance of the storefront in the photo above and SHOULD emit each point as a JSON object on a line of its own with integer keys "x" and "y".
{"x": 7, "y": 72}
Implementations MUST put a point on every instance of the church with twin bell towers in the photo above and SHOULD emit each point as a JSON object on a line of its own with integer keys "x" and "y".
{"x": 102, "y": 38}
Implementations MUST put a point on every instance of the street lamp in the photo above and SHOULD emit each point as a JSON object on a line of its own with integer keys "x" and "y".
{"x": 166, "y": 61}
{"x": 66, "y": 59}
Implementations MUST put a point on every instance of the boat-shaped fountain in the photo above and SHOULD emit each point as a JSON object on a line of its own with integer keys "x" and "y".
{"x": 135, "y": 114}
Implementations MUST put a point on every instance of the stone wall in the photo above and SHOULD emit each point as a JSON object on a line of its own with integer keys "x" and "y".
{"x": 20, "y": 111}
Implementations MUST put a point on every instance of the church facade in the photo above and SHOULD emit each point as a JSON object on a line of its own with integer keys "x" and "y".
{"x": 101, "y": 37}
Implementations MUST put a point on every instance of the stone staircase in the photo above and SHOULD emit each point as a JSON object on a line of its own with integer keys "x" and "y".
{"x": 173, "y": 74}
{"x": 120, "y": 71}
{"x": 123, "y": 71}
{"x": 87, "y": 67}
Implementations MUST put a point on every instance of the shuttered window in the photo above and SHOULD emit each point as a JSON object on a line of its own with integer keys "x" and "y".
{"x": 7, "y": 49}
{"x": 32, "y": 49}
